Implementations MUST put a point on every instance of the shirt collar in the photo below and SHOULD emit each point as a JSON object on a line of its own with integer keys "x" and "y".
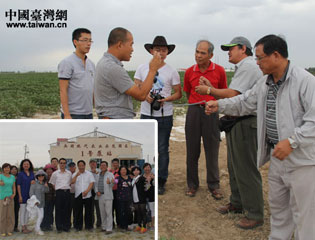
{"x": 111, "y": 56}
{"x": 210, "y": 68}
{"x": 243, "y": 60}
{"x": 269, "y": 80}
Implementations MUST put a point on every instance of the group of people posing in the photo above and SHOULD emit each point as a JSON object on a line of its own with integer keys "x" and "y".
{"x": 268, "y": 86}
{"x": 120, "y": 196}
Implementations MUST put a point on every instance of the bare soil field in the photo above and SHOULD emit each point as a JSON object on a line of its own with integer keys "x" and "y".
{"x": 195, "y": 218}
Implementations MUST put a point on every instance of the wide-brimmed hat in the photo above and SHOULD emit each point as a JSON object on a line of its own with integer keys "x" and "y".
{"x": 237, "y": 41}
{"x": 159, "y": 41}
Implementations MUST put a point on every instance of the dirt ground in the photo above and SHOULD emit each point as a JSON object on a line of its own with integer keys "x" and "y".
{"x": 195, "y": 218}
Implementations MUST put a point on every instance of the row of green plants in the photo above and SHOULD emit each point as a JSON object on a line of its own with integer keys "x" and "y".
{"x": 24, "y": 94}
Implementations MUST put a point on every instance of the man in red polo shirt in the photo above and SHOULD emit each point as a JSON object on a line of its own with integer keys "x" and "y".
{"x": 198, "y": 124}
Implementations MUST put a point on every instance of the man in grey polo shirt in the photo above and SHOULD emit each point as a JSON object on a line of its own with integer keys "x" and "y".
{"x": 76, "y": 79}
{"x": 114, "y": 88}
{"x": 241, "y": 138}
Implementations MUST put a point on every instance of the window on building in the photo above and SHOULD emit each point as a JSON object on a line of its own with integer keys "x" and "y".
{"x": 113, "y": 146}
{"x": 119, "y": 145}
{"x": 72, "y": 145}
{"x": 93, "y": 146}
{"x": 126, "y": 145}
{"x": 100, "y": 146}
{"x": 106, "y": 146}
{"x": 99, "y": 153}
{"x": 78, "y": 146}
{"x": 69, "y": 160}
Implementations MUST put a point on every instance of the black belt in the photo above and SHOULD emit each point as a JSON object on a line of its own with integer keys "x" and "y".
{"x": 63, "y": 190}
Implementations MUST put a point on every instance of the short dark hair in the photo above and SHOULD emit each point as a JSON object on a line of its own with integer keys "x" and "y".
{"x": 81, "y": 161}
{"x": 31, "y": 165}
{"x": 121, "y": 167}
{"x": 71, "y": 164}
{"x": 5, "y": 165}
{"x": 13, "y": 166}
{"x": 272, "y": 43}
{"x": 62, "y": 159}
{"x": 104, "y": 162}
{"x": 147, "y": 164}
{"x": 116, "y": 35}
{"x": 76, "y": 34}
{"x": 248, "y": 52}
{"x": 115, "y": 160}
{"x": 53, "y": 159}
{"x": 134, "y": 168}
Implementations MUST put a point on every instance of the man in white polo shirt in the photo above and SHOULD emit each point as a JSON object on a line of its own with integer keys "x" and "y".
{"x": 76, "y": 78}
{"x": 61, "y": 180}
{"x": 84, "y": 182}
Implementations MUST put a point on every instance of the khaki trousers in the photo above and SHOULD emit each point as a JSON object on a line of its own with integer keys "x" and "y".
{"x": 7, "y": 217}
{"x": 291, "y": 201}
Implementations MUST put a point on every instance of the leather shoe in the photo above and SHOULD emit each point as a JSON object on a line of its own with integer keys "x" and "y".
{"x": 246, "y": 223}
{"x": 229, "y": 208}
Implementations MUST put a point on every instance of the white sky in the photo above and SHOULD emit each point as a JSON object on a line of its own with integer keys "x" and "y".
{"x": 38, "y": 134}
{"x": 182, "y": 22}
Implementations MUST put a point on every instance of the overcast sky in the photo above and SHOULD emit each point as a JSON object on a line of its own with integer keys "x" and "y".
{"x": 14, "y": 135}
{"x": 183, "y": 22}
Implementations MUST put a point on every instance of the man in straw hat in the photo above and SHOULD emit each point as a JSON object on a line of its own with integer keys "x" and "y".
{"x": 114, "y": 88}
{"x": 166, "y": 79}
{"x": 241, "y": 138}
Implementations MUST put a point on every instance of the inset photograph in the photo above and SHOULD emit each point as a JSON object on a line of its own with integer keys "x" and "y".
{"x": 78, "y": 179}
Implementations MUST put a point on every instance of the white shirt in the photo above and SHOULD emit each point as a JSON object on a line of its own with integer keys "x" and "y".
{"x": 61, "y": 180}
{"x": 82, "y": 183}
{"x": 167, "y": 78}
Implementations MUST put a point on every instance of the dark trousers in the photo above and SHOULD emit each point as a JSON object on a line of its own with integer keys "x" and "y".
{"x": 78, "y": 116}
{"x": 62, "y": 205}
{"x": 97, "y": 209}
{"x": 16, "y": 212}
{"x": 165, "y": 125}
{"x": 124, "y": 209}
{"x": 48, "y": 219}
{"x": 245, "y": 178}
{"x": 72, "y": 209}
{"x": 198, "y": 125}
{"x": 141, "y": 214}
{"x": 87, "y": 203}
{"x": 116, "y": 211}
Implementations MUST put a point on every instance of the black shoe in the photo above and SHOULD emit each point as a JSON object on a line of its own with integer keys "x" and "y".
{"x": 66, "y": 230}
{"x": 59, "y": 231}
{"x": 161, "y": 187}
{"x": 161, "y": 190}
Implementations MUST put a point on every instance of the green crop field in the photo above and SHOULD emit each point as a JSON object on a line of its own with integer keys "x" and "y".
{"x": 24, "y": 94}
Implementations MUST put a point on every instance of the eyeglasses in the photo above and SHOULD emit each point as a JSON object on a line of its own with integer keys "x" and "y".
{"x": 260, "y": 58}
{"x": 86, "y": 40}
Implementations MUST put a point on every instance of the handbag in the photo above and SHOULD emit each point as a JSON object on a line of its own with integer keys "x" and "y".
{"x": 226, "y": 123}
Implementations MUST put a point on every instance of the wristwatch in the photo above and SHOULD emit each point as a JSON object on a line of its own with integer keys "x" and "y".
{"x": 208, "y": 91}
{"x": 292, "y": 141}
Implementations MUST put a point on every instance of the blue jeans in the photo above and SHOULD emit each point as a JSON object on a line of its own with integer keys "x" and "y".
{"x": 165, "y": 125}
{"x": 77, "y": 116}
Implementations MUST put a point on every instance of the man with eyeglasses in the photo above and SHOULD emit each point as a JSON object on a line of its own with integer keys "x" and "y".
{"x": 161, "y": 94}
{"x": 241, "y": 138}
{"x": 76, "y": 79}
{"x": 114, "y": 88}
{"x": 284, "y": 100}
